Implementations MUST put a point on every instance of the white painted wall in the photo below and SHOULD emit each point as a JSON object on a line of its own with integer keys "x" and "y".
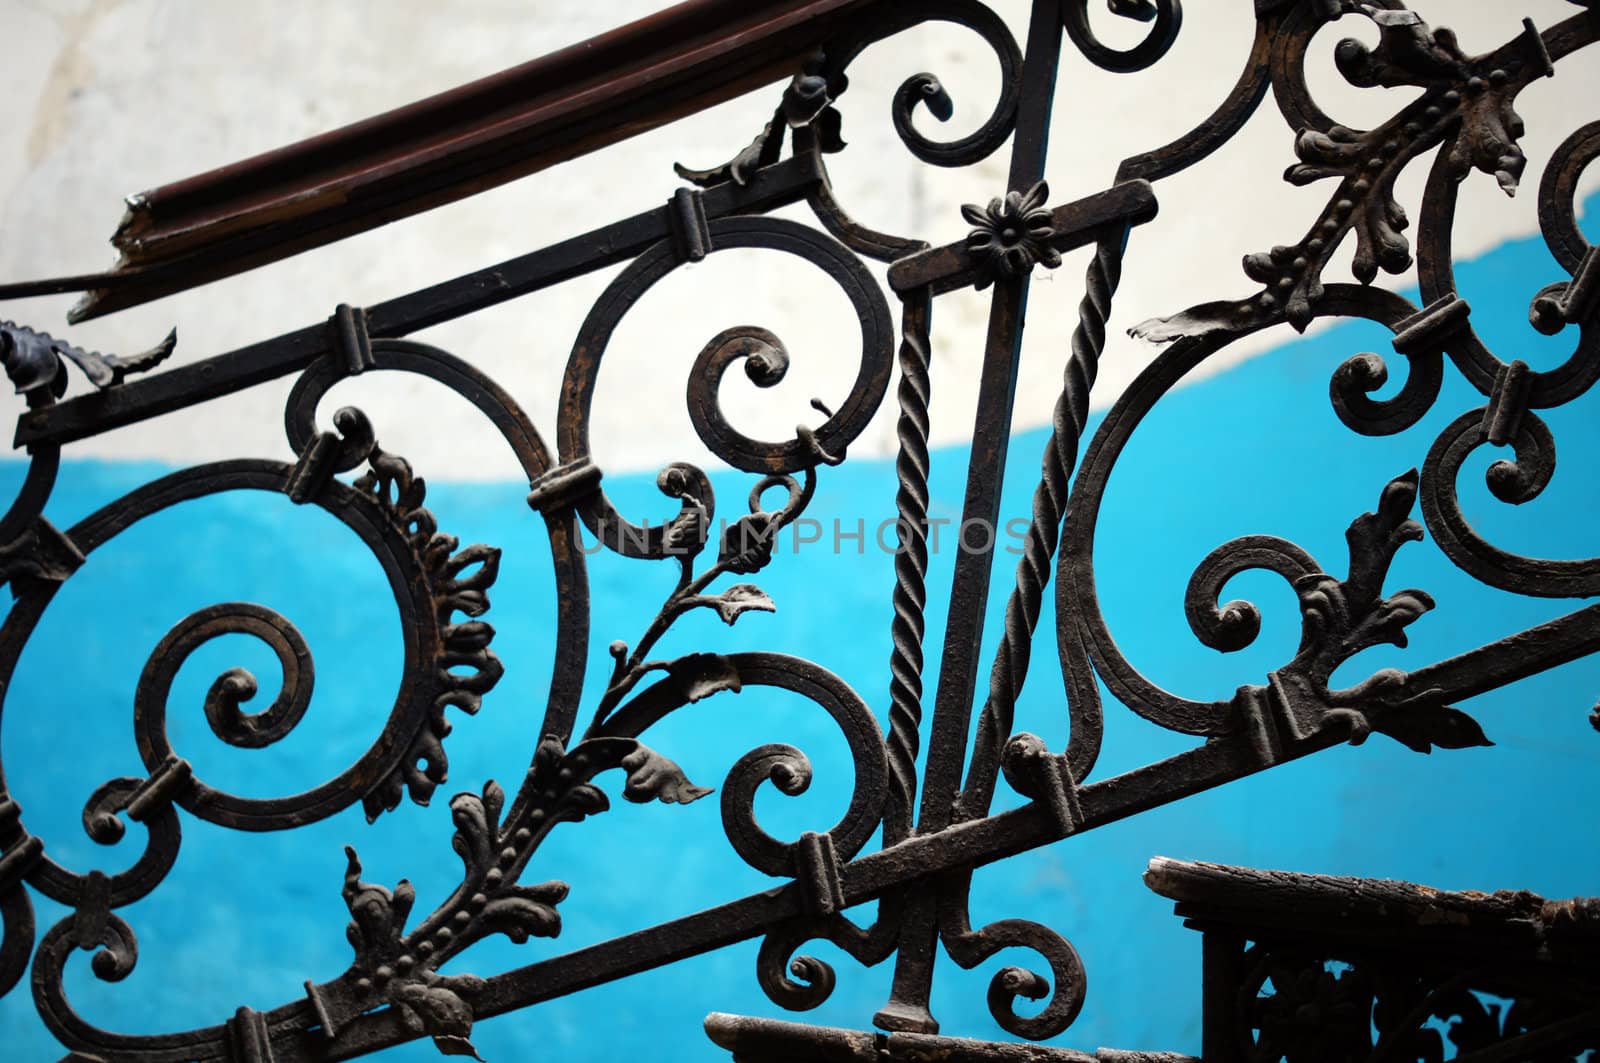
{"x": 109, "y": 97}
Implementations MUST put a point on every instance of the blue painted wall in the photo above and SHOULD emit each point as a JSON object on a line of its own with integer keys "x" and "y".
{"x": 244, "y": 919}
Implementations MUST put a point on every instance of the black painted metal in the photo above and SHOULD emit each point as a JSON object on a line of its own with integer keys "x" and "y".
{"x": 1326, "y": 967}
{"x": 393, "y": 990}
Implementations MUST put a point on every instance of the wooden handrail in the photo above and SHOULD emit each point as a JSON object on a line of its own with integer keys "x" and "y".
{"x": 450, "y": 146}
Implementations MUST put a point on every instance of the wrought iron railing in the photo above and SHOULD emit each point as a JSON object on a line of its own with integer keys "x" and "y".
{"x": 937, "y": 826}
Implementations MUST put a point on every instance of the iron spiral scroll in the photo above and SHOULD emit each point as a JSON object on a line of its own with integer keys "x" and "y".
{"x": 937, "y": 827}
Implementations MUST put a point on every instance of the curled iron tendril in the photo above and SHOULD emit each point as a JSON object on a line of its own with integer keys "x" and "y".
{"x": 1166, "y": 17}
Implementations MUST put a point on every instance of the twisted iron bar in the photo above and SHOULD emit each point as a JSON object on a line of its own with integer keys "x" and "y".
{"x": 1068, "y": 419}
{"x": 910, "y": 567}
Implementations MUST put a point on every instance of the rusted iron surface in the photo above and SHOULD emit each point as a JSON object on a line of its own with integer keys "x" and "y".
{"x": 1336, "y": 967}
{"x": 753, "y": 1040}
{"x": 937, "y": 823}
{"x": 1216, "y": 893}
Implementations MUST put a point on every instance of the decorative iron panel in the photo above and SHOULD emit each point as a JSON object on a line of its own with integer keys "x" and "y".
{"x": 937, "y": 825}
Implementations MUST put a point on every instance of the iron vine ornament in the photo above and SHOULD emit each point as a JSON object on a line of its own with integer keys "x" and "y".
{"x": 937, "y": 827}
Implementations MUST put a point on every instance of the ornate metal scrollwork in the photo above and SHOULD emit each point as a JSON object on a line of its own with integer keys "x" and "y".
{"x": 938, "y": 827}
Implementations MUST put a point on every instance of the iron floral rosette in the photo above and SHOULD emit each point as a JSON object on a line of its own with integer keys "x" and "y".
{"x": 1011, "y": 235}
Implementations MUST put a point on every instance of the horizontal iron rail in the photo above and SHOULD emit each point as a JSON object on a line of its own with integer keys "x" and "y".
{"x": 222, "y": 374}
{"x": 955, "y": 266}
